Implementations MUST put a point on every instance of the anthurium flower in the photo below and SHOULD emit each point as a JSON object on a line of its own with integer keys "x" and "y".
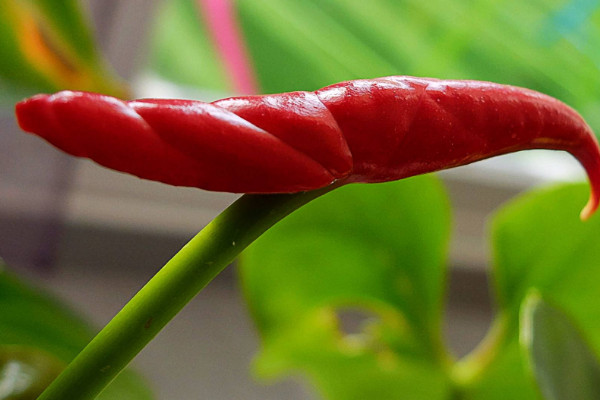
{"x": 358, "y": 131}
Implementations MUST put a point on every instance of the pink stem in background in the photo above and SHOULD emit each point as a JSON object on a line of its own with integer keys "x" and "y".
{"x": 224, "y": 28}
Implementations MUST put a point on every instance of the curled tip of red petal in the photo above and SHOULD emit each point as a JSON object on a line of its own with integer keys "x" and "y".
{"x": 594, "y": 200}
{"x": 589, "y": 209}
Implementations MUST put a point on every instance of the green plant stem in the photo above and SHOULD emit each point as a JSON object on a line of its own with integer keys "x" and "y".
{"x": 190, "y": 270}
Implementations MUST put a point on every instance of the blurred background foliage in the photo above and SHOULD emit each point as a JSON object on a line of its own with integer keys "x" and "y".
{"x": 48, "y": 46}
{"x": 349, "y": 292}
{"x": 547, "y": 45}
{"x": 558, "y": 351}
{"x": 38, "y": 336}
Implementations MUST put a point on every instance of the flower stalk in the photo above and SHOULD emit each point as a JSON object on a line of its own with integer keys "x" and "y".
{"x": 180, "y": 280}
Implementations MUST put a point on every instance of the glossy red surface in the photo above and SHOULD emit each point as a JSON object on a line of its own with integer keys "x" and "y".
{"x": 358, "y": 131}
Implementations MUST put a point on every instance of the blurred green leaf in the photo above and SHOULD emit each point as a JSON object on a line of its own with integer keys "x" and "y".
{"x": 298, "y": 46}
{"x": 181, "y": 50}
{"x": 539, "y": 242}
{"x": 563, "y": 364}
{"x": 548, "y": 46}
{"x": 503, "y": 376}
{"x": 38, "y": 336}
{"x": 48, "y": 46}
{"x": 333, "y": 263}
{"x": 25, "y": 372}
{"x": 66, "y": 21}
{"x": 349, "y": 290}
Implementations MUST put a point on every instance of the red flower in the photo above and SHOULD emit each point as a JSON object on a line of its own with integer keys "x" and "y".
{"x": 359, "y": 131}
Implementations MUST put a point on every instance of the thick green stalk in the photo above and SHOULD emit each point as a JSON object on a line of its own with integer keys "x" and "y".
{"x": 190, "y": 270}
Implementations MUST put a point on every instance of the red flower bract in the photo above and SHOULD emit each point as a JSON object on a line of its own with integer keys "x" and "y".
{"x": 358, "y": 131}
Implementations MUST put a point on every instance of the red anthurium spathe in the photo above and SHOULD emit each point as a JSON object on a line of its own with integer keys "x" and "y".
{"x": 358, "y": 131}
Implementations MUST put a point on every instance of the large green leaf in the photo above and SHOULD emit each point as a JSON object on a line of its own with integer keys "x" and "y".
{"x": 346, "y": 255}
{"x": 563, "y": 364}
{"x": 349, "y": 290}
{"x": 38, "y": 336}
{"x": 47, "y": 46}
{"x": 539, "y": 242}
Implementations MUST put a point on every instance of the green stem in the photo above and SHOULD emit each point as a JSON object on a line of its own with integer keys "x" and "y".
{"x": 190, "y": 270}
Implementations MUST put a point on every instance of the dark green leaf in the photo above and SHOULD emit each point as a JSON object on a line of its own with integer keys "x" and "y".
{"x": 38, "y": 336}
{"x": 349, "y": 290}
{"x": 562, "y": 362}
